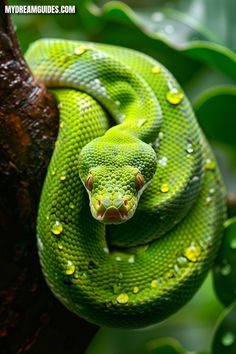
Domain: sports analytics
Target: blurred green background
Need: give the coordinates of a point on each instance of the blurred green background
(196, 40)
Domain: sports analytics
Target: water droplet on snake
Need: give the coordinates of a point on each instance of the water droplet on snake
(195, 179)
(118, 258)
(208, 200)
(72, 206)
(135, 289)
(156, 69)
(131, 259)
(163, 161)
(174, 96)
(70, 269)
(192, 252)
(154, 284)
(53, 172)
(210, 165)
(63, 176)
(228, 339)
(57, 228)
(60, 246)
(189, 149)
(165, 188)
(80, 50)
(122, 298)
(182, 261)
(161, 135)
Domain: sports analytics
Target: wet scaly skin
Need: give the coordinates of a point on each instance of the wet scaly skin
(157, 201)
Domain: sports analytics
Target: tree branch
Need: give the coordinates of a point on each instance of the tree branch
(31, 320)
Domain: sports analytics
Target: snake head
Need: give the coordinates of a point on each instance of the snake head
(115, 176)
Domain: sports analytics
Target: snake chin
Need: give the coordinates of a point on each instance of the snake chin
(112, 216)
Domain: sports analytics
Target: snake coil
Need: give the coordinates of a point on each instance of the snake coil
(153, 175)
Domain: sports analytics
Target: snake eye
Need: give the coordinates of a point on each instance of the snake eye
(89, 182)
(139, 181)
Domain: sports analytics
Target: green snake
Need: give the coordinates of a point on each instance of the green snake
(130, 147)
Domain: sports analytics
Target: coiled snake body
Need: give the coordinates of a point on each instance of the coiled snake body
(157, 202)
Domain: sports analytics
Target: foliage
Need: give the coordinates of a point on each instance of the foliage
(195, 40)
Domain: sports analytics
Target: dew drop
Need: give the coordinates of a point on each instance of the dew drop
(53, 172)
(164, 188)
(233, 244)
(156, 69)
(135, 289)
(154, 284)
(174, 96)
(80, 50)
(169, 29)
(228, 339)
(105, 250)
(122, 298)
(60, 246)
(182, 261)
(62, 125)
(195, 179)
(208, 200)
(131, 259)
(161, 135)
(57, 228)
(63, 176)
(189, 149)
(118, 258)
(70, 269)
(226, 270)
(158, 16)
(210, 165)
(192, 252)
(163, 161)
(211, 191)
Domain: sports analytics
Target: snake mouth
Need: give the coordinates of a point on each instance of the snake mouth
(112, 216)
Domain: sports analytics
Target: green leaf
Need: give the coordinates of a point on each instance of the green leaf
(195, 19)
(174, 39)
(225, 267)
(164, 346)
(215, 110)
(224, 341)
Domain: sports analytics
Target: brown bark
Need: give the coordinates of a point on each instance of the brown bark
(31, 320)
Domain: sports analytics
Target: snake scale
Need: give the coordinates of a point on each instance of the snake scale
(130, 147)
